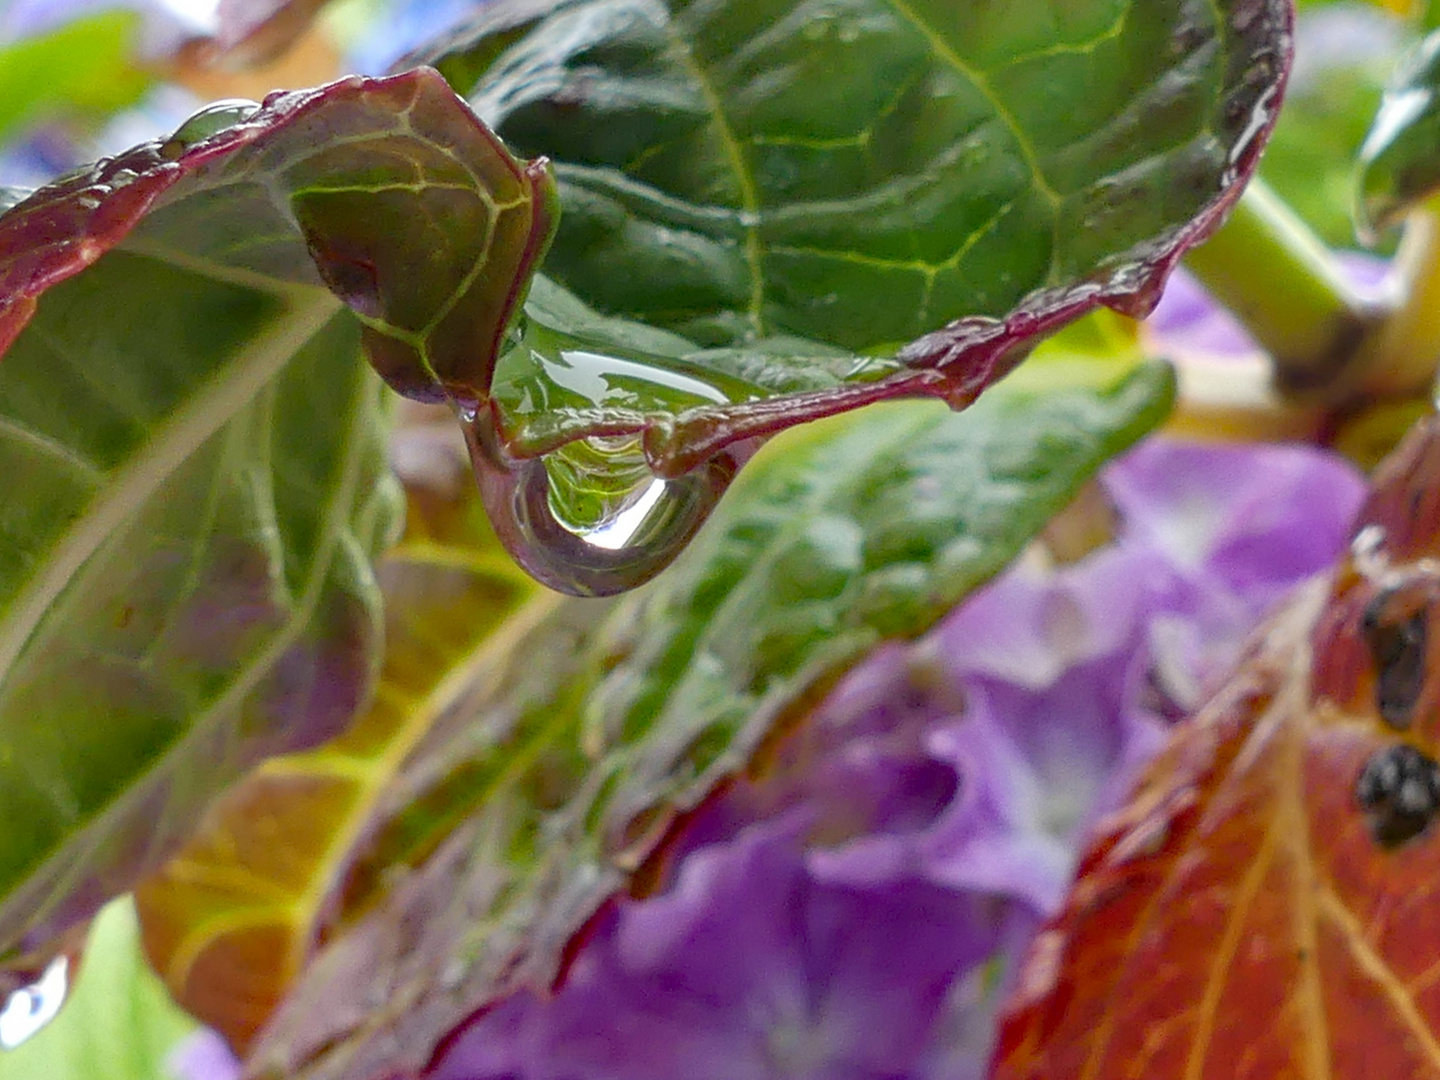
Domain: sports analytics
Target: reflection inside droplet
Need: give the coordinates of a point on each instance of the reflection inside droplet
(620, 529)
(594, 481)
(29, 1009)
(591, 519)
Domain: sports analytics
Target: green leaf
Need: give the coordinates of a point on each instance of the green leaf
(825, 204)
(117, 1024)
(232, 920)
(567, 767)
(861, 172)
(194, 453)
(85, 66)
(1400, 161)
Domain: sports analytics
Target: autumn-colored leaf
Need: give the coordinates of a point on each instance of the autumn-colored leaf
(1264, 907)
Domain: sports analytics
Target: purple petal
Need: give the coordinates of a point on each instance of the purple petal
(747, 969)
(1030, 626)
(1255, 518)
(203, 1056)
(1037, 768)
(1188, 321)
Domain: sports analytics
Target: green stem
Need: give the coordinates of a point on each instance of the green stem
(1284, 285)
(1400, 356)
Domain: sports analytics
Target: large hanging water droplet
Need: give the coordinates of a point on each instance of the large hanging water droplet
(591, 519)
(31, 1007)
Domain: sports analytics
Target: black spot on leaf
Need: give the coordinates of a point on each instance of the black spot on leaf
(1399, 790)
(1397, 644)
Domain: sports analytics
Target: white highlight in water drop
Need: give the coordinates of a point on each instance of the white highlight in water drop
(616, 533)
(31, 1008)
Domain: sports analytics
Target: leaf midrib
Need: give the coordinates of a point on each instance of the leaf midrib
(181, 433)
(332, 531)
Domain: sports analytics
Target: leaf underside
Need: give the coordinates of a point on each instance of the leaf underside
(194, 454)
(233, 918)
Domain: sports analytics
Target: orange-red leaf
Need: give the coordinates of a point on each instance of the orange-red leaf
(1257, 911)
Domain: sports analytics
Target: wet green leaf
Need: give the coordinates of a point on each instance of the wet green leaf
(860, 172)
(558, 775)
(194, 453)
(823, 204)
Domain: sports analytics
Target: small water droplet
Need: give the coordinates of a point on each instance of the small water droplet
(591, 519)
(30, 1008)
(121, 178)
(209, 121)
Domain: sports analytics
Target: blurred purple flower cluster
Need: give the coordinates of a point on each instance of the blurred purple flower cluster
(853, 915)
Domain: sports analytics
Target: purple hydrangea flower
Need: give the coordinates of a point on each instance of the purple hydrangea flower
(747, 969)
(855, 913)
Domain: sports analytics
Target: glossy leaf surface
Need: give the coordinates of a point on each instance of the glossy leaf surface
(859, 173)
(543, 791)
(1263, 907)
(1400, 161)
(231, 920)
(193, 450)
(117, 1023)
(826, 204)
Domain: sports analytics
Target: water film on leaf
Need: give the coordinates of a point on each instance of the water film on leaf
(826, 205)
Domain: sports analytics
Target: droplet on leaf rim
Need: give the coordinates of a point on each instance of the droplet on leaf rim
(626, 538)
(211, 120)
